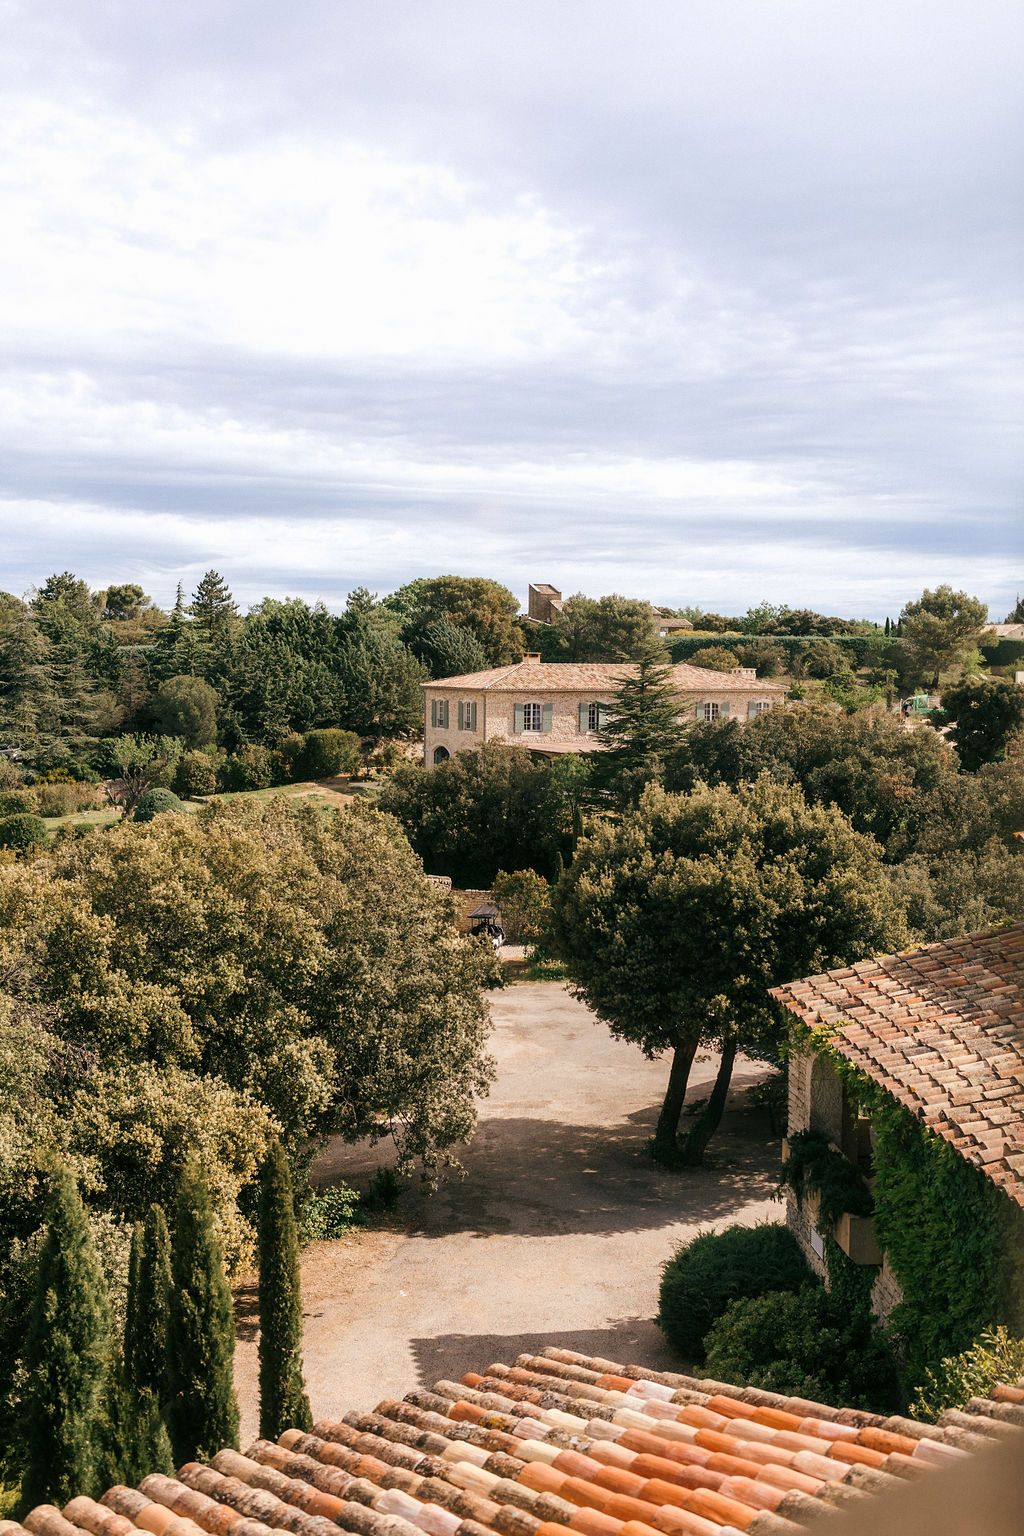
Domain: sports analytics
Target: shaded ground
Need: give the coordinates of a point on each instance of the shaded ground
(556, 1233)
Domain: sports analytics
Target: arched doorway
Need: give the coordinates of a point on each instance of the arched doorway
(441, 755)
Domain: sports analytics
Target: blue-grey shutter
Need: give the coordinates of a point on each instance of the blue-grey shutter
(583, 718)
(442, 714)
(751, 709)
(602, 716)
(546, 715)
(433, 712)
(723, 709)
(471, 722)
(518, 726)
(699, 711)
(462, 716)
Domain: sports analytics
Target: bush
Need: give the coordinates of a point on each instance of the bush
(14, 802)
(328, 1213)
(251, 767)
(996, 1356)
(804, 1344)
(22, 831)
(717, 658)
(326, 753)
(383, 1191)
(154, 801)
(196, 774)
(65, 799)
(714, 1269)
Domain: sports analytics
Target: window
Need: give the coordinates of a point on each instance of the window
(439, 714)
(757, 707)
(532, 717)
(710, 710)
(593, 717)
(441, 755)
(467, 714)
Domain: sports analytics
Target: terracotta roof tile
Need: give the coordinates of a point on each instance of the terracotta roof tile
(555, 1443)
(585, 676)
(941, 1028)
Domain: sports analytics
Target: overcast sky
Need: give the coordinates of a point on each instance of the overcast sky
(707, 301)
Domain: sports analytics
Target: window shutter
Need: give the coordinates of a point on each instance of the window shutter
(751, 710)
(433, 712)
(442, 714)
(548, 711)
(583, 718)
(518, 726)
(471, 723)
(699, 711)
(602, 716)
(723, 710)
(462, 716)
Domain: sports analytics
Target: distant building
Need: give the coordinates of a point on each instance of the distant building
(555, 707)
(544, 603)
(668, 624)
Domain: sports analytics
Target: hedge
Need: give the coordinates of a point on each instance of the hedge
(714, 1269)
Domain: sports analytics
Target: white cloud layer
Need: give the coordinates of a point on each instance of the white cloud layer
(707, 303)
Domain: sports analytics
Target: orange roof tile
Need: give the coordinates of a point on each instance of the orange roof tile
(941, 1028)
(539, 1448)
(586, 676)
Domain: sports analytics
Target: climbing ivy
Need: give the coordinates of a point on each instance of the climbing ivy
(814, 1166)
(954, 1240)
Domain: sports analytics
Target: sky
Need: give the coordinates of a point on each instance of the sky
(706, 301)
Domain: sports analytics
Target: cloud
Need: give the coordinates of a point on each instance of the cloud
(710, 305)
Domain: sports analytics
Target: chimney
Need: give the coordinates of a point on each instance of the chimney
(532, 656)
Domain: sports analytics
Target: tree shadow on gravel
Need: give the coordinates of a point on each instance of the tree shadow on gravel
(544, 1178)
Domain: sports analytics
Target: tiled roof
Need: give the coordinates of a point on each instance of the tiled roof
(587, 676)
(942, 1029)
(554, 1444)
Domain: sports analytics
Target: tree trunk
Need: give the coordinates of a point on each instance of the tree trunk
(711, 1116)
(668, 1120)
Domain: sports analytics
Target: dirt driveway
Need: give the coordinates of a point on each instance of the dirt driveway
(556, 1232)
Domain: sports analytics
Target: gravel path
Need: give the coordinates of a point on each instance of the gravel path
(556, 1233)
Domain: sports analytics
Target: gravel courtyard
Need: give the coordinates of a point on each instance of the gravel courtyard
(556, 1233)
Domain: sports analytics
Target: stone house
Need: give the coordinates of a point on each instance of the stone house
(555, 707)
(941, 1029)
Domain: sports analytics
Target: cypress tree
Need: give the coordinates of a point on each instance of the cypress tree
(202, 1411)
(137, 1402)
(283, 1401)
(66, 1355)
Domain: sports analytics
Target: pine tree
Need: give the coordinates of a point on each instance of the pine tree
(283, 1401)
(139, 1396)
(67, 1354)
(643, 727)
(177, 650)
(888, 627)
(202, 1411)
(213, 607)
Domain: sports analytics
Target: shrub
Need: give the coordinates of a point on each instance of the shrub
(22, 831)
(154, 801)
(65, 799)
(996, 1356)
(196, 774)
(251, 767)
(329, 1213)
(13, 802)
(804, 1344)
(383, 1191)
(717, 658)
(714, 1269)
(325, 753)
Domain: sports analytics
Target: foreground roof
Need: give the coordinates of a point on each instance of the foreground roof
(556, 1442)
(584, 676)
(941, 1028)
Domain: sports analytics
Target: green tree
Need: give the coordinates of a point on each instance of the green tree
(67, 1353)
(124, 600)
(451, 650)
(380, 677)
(643, 728)
(610, 628)
(326, 753)
(489, 611)
(1016, 613)
(717, 658)
(986, 712)
(137, 764)
(202, 1411)
(524, 901)
(148, 1307)
(185, 707)
(938, 629)
(283, 1401)
(676, 921)
(178, 650)
(214, 609)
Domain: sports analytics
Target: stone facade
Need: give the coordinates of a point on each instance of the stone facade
(560, 706)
